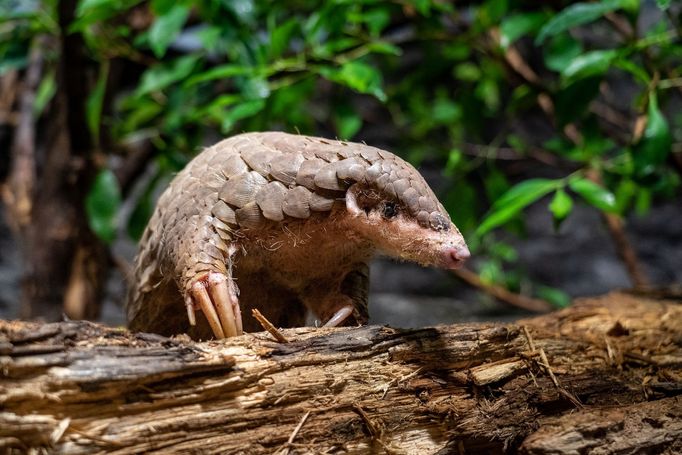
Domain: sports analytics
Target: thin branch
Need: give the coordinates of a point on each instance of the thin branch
(267, 325)
(624, 248)
(517, 300)
(372, 427)
(545, 364)
(621, 25)
(295, 432)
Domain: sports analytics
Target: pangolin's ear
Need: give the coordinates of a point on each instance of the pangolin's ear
(352, 202)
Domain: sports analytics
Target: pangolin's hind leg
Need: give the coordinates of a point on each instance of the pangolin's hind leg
(342, 301)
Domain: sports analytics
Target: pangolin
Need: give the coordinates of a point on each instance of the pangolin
(286, 224)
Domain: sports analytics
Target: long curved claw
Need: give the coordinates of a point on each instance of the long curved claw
(224, 305)
(216, 295)
(340, 316)
(191, 316)
(202, 299)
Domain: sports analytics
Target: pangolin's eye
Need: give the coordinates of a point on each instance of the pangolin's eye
(390, 210)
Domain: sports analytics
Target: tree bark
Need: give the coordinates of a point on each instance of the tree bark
(604, 376)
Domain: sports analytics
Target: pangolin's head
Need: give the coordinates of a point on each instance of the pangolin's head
(277, 175)
(394, 208)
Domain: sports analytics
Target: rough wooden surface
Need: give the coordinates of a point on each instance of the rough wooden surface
(604, 376)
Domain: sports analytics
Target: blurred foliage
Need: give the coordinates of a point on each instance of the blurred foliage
(582, 94)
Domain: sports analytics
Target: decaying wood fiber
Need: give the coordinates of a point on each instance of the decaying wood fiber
(604, 376)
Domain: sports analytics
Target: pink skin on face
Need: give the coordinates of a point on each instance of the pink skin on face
(402, 237)
(454, 258)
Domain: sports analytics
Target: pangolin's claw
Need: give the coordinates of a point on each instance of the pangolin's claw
(224, 304)
(216, 296)
(202, 298)
(340, 316)
(190, 311)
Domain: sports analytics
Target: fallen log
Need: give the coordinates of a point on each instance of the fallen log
(604, 375)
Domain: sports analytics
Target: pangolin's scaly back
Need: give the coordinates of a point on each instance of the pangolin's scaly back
(272, 176)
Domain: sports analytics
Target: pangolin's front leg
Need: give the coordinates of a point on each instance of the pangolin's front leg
(203, 255)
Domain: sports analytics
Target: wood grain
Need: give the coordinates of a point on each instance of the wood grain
(612, 366)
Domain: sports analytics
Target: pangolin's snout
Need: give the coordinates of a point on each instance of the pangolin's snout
(454, 257)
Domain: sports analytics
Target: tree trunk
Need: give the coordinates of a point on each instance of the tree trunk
(604, 376)
(64, 263)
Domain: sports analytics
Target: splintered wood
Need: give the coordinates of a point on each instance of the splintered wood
(605, 373)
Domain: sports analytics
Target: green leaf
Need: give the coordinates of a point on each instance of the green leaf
(382, 47)
(594, 194)
(495, 183)
(241, 111)
(166, 28)
(102, 205)
(93, 105)
(630, 6)
(210, 37)
(572, 101)
(244, 10)
(589, 64)
(656, 142)
(377, 19)
(85, 5)
(281, 36)
(467, 71)
(45, 92)
(503, 251)
(142, 112)
(423, 6)
(575, 15)
(643, 201)
(561, 51)
(161, 76)
(446, 111)
(625, 191)
(218, 72)
(455, 157)
(633, 68)
(518, 25)
(516, 199)
(556, 297)
(91, 12)
(488, 92)
(561, 205)
(358, 76)
(456, 51)
(330, 48)
(492, 11)
(491, 272)
(347, 122)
